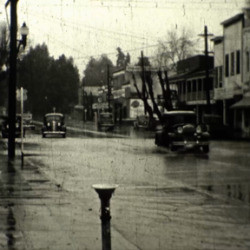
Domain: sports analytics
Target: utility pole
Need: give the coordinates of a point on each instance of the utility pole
(207, 81)
(12, 79)
(143, 79)
(109, 88)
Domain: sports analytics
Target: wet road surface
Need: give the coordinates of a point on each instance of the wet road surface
(164, 200)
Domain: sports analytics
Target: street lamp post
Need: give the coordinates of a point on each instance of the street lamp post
(105, 192)
(12, 74)
(109, 88)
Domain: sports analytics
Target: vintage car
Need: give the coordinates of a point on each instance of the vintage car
(105, 121)
(28, 121)
(53, 124)
(179, 130)
(5, 127)
(143, 122)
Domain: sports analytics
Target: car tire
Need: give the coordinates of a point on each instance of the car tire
(157, 140)
(43, 136)
(205, 149)
(135, 125)
(172, 147)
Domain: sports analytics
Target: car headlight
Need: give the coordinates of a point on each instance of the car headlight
(59, 124)
(198, 129)
(48, 124)
(7, 126)
(17, 125)
(180, 130)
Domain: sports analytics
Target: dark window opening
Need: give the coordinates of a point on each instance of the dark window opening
(238, 62)
(232, 64)
(199, 85)
(220, 77)
(194, 85)
(189, 86)
(248, 60)
(227, 65)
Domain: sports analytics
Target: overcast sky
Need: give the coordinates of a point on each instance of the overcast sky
(84, 28)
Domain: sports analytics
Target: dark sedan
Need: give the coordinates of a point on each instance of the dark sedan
(180, 131)
(5, 127)
(53, 125)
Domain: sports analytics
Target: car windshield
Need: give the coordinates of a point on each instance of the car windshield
(180, 119)
(143, 118)
(184, 119)
(106, 117)
(53, 118)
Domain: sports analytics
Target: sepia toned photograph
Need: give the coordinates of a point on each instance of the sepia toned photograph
(124, 124)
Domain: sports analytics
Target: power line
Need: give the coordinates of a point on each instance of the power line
(80, 26)
(146, 4)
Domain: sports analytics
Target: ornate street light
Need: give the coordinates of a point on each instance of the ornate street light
(24, 31)
(12, 75)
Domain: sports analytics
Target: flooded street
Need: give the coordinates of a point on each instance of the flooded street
(165, 200)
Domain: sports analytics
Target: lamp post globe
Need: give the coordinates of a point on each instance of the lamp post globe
(24, 31)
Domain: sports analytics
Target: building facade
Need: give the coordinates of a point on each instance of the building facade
(190, 83)
(126, 102)
(232, 72)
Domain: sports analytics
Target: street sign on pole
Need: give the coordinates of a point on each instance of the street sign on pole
(18, 94)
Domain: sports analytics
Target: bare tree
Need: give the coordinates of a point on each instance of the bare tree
(147, 93)
(3, 45)
(174, 48)
(144, 96)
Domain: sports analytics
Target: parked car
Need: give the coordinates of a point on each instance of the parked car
(5, 127)
(143, 122)
(105, 121)
(180, 131)
(28, 121)
(53, 124)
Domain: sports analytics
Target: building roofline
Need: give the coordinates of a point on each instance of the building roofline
(233, 19)
(217, 39)
(193, 73)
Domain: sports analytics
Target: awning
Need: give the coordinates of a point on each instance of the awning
(244, 103)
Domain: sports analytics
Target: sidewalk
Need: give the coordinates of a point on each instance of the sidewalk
(37, 214)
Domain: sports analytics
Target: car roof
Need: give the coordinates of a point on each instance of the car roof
(54, 114)
(105, 113)
(179, 112)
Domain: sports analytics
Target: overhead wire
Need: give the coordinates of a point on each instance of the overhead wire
(75, 26)
(110, 33)
(191, 4)
(80, 26)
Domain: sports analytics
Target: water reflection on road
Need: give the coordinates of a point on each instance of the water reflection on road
(219, 172)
